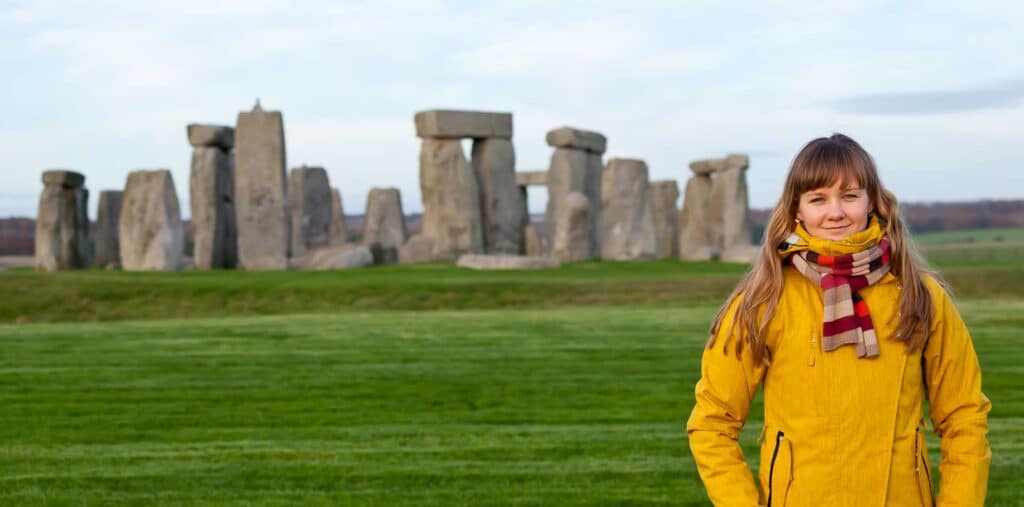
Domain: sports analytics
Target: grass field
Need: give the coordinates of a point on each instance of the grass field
(408, 385)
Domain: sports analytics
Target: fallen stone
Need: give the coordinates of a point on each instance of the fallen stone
(309, 206)
(339, 229)
(384, 224)
(451, 199)
(664, 195)
(694, 224)
(445, 123)
(626, 217)
(150, 228)
(211, 200)
(571, 241)
(261, 204)
(569, 137)
(500, 262)
(219, 136)
(502, 208)
(532, 178)
(419, 248)
(335, 257)
(108, 249)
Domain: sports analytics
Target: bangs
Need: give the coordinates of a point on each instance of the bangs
(825, 163)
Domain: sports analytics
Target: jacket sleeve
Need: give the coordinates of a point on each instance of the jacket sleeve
(724, 392)
(959, 410)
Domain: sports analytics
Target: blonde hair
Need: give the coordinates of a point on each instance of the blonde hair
(819, 164)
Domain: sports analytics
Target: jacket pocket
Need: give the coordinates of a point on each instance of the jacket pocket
(923, 467)
(780, 468)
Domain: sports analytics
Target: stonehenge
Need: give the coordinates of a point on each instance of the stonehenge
(248, 212)
(715, 221)
(627, 220)
(211, 196)
(151, 234)
(108, 249)
(261, 200)
(576, 167)
(309, 209)
(62, 222)
(384, 225)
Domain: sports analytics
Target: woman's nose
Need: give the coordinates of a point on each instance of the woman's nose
(835, 210)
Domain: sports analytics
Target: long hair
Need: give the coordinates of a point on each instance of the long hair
(821, 163)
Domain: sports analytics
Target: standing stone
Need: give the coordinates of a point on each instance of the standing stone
(339, 229)
(309, 203)
(626, 217)
(536, 243)
(62, 222)
(211, 200)
(572, 229)
(664, 195)
(384, 225)
(501, 204)
(567, 174)
(108, 249)
(592, 189)
(451, 199)
(729, 210)
(150, 228)
(694, 226)
(261, 203)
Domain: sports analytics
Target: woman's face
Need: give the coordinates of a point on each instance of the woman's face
(834, 212)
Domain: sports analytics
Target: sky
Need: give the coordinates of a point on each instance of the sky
(933, 89)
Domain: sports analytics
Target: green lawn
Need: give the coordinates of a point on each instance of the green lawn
(562, 406)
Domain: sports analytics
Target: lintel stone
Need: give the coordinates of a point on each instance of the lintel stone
(569, 137)
(66, 179)
(447, 123)
(532, 178)
(220, 136)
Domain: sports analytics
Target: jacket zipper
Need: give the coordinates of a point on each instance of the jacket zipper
(923, 463)
(771, 470)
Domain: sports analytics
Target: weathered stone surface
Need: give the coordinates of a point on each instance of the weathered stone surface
(445, 123)
(532, 178)
(62, 223)
(108, 249)
(339, 229)
(502, 209)
(694, 224)
(536, 243)
(261, 204)
(419, 248)
(665, 211)
(729, 214)
(569, 137)
(334, 257)
(384, 224)
(220, 136)
(626, 216)
(211, 200)
(571, 242)
(66, 179)
(150, 228)
(500, 262)
(451, 199)
(309, 206)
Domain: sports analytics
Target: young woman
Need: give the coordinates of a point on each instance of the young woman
(848, 334)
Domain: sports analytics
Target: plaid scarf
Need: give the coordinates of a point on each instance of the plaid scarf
(842, 268)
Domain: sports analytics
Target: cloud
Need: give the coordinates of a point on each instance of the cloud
(934, 102)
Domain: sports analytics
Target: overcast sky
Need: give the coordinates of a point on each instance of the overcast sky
(934, 90)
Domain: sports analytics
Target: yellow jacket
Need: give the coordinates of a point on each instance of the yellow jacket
(838, 430)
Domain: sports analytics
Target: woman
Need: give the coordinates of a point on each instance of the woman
(848, 334)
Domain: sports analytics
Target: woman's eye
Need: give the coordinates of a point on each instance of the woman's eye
(850, 196)
(815, 200)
